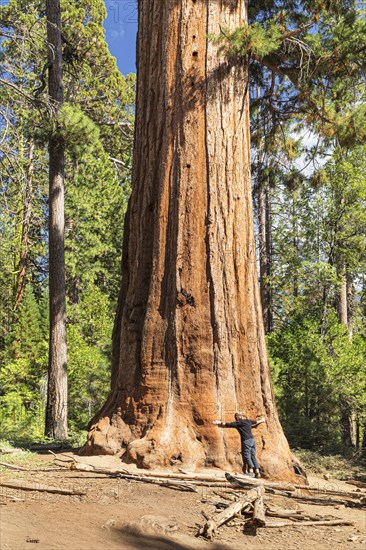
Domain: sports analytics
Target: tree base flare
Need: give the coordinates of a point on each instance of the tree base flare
(182, 448)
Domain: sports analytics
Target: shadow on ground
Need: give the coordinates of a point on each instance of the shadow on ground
(132, 537)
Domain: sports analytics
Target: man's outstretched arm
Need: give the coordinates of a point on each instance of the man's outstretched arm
(225, 424)
(260, 421)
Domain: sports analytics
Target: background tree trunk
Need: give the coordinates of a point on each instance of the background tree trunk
(26, 212)
(56, 411)
(189, 341)
(264, 240)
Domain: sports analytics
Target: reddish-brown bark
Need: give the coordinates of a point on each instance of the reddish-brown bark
(189, 342)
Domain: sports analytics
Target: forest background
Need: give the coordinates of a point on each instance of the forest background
(309, 195)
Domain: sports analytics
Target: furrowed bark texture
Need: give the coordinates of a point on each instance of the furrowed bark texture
(56, 410)
(189, 340)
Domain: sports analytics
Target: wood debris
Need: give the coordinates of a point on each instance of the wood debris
(24, 486)
(244, 500)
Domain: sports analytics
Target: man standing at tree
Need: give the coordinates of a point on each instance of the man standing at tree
(248, 447)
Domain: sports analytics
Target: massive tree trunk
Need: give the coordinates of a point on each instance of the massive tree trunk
(189, 342)
(56, 410)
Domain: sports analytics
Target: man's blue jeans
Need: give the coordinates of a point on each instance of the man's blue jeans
(248, 450)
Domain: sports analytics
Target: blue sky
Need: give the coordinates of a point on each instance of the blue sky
(121, 28)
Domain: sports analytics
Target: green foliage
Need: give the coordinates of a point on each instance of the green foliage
(338, 466)
(89, 344)
(95, 204)
(22, 375)
(259, 39)
(96, 123)
(315, 369)
(77, 130)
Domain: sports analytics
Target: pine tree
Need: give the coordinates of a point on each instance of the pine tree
(95, 123)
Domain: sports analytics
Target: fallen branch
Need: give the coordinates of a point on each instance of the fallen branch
(210, 526)
(259, 518)
(308, 523)
(237, 481)
(12, 497)
(357, 503)
(17, 484)
(11, 451)
(298, 515)
(356, 483)
(57, 457)
(13, 467)
(171, 484)
(23, 469)
(328, 501)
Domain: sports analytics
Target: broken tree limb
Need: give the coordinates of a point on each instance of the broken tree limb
(242, 481)
(210, 526)
(171, 484)
(356, 483)
(11, 451)
(23, 469)
(298, 515)
(237, 481)
(259, 517)
(308, 523)
(24, 486)
(57, 457)
(12, 497)
(13, 467)
(322, 500)
(189, 476)
(327, 501)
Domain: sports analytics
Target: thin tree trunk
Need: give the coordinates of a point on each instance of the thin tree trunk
(363, 447)
(264, 238)
(348, 417)
(264, 249)
(27, 212)
(342, 304)
(189, 341)
(295, 244)
(348, 424)
(358, 433)
(56, 411)
(269, 323)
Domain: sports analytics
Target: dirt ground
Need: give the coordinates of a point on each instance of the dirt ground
(129, 515)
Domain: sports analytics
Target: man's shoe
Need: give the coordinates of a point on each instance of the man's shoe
(257, 474)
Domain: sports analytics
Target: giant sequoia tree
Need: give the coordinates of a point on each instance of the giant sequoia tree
(189, 341)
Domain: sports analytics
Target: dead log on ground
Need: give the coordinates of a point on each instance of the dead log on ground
(328, 501)
(237, 481)
(309, 523)
(11, 451)
(23, 469)
(12, 497)
(13, 467)
(357, 503)
(259, 517)
(171, 484)
(24, 486)
(210, 526)
(356, 483)
(298, 515)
